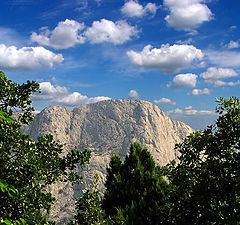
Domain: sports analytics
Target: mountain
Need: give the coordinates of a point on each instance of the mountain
(105, 127)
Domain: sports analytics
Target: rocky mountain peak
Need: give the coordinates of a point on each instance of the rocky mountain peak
(106, 127)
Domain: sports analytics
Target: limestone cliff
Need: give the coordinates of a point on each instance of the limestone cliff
(106, 127)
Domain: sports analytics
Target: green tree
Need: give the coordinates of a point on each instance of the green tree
(11, 192)
(90, 211)
(135, 188)
(206, 181)
(26, 165)
(4, 187)
(89, 207)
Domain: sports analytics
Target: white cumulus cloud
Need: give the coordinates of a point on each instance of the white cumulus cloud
(183, 80)
(108, 31)
(165, 101)
(134, 9)
(187, 14)
(170, 59)
(65, 35)
(62, 96)
(27, 58)
(68, 33)
(49, 92)
(204, 91)
(75, 99)
(133, 94)
(233, 44)
(214, 73)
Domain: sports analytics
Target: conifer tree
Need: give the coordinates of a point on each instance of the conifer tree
(135, 188)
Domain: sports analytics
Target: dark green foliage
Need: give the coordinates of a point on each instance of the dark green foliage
(10, 191)
(207, 179)
(89, 208)
(135, 188)
(6, 188)
(26, 165)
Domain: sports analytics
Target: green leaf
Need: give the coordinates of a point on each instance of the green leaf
(23, 221)
(3, 114)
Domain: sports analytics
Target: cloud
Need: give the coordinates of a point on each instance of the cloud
(165, 101)
(213, 76)
(204, 91)
(98, 2)
(190, 111)
(10, 37)
(133, 94)
(233, 27)
(218, 83)
(223, 58)
(75, 99)
(188, 41)
(232, 83)
(134, 9)
(61, 95)
(49, 92)
(197, 119)
(65, 35)
(82, 5)
(233, 44)
(70, 32)
(27, 58)
(169, 59)
(108, 31)
(214, 73)
(187, 14)
(183, 80)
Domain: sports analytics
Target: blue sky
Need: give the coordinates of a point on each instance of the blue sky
(179, 55)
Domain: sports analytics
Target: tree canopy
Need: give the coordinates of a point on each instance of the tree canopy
(26, 165)
(136, 187)
(206, 181)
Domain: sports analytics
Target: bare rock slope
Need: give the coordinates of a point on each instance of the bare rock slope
(106, 127)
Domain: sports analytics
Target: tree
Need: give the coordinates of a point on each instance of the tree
(89, 208)
(206, 181)
(26, 165)
(4, 187)
(135, 189)
(90, 211)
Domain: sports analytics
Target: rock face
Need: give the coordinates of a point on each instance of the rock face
(105, 127)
